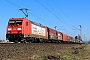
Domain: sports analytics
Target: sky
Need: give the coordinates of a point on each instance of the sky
(67, 15)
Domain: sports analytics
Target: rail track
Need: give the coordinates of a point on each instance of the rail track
(24, 50)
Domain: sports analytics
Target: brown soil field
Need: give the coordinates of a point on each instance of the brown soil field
(46, 51)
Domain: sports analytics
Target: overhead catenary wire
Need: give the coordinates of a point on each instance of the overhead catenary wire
(21, 3)
(58, 13)
(41, 18)
(29, 11)
(50, 6)
(13, 4)
(52, 13)
(35, 14)
(53, 9)
(63, 13)
(66, 15)
(59, 8)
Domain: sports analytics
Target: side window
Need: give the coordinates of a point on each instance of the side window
(26, 23)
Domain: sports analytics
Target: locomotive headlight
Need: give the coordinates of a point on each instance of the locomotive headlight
(19, 29)
(9, 28)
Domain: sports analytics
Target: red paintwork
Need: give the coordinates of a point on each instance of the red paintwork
(14, 27)
(48, 32)
(52, 34)
(26, 29)
(65, 37)
(59, 36)
(30, 29)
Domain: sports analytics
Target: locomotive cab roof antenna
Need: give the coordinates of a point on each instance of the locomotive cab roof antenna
(25, 13)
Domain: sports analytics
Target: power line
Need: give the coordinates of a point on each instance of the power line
(30, 13)
(65, 14)
(51, 7)
(12, 3)
(51, 12)
(28, 10)
(41, 18)
(54, 10)
(62, 10)
(35, 14)
(47, 9)
(20, 2)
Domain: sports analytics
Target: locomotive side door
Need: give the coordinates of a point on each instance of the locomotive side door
(27, 28)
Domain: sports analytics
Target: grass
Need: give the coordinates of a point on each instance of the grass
(83, 54)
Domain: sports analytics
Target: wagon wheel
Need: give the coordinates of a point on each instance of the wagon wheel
(16, 41)
(30, 41)
(23, 41)
(40, 40)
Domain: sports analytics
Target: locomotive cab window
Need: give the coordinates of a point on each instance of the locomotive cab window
(15, 22)
(11, 22)
(26, 23)
(18, 22)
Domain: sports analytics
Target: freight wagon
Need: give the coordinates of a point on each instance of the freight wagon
(65, 38)
(60, 37)
(52, 35)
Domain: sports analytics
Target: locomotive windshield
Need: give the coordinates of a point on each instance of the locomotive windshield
(15, 22)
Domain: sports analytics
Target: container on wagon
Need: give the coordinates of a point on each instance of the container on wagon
(70, 38)
(52, 34)
(65, 37)
(59, 36)
(38, 31)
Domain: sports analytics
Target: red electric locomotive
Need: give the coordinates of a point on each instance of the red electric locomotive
(24, 30)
